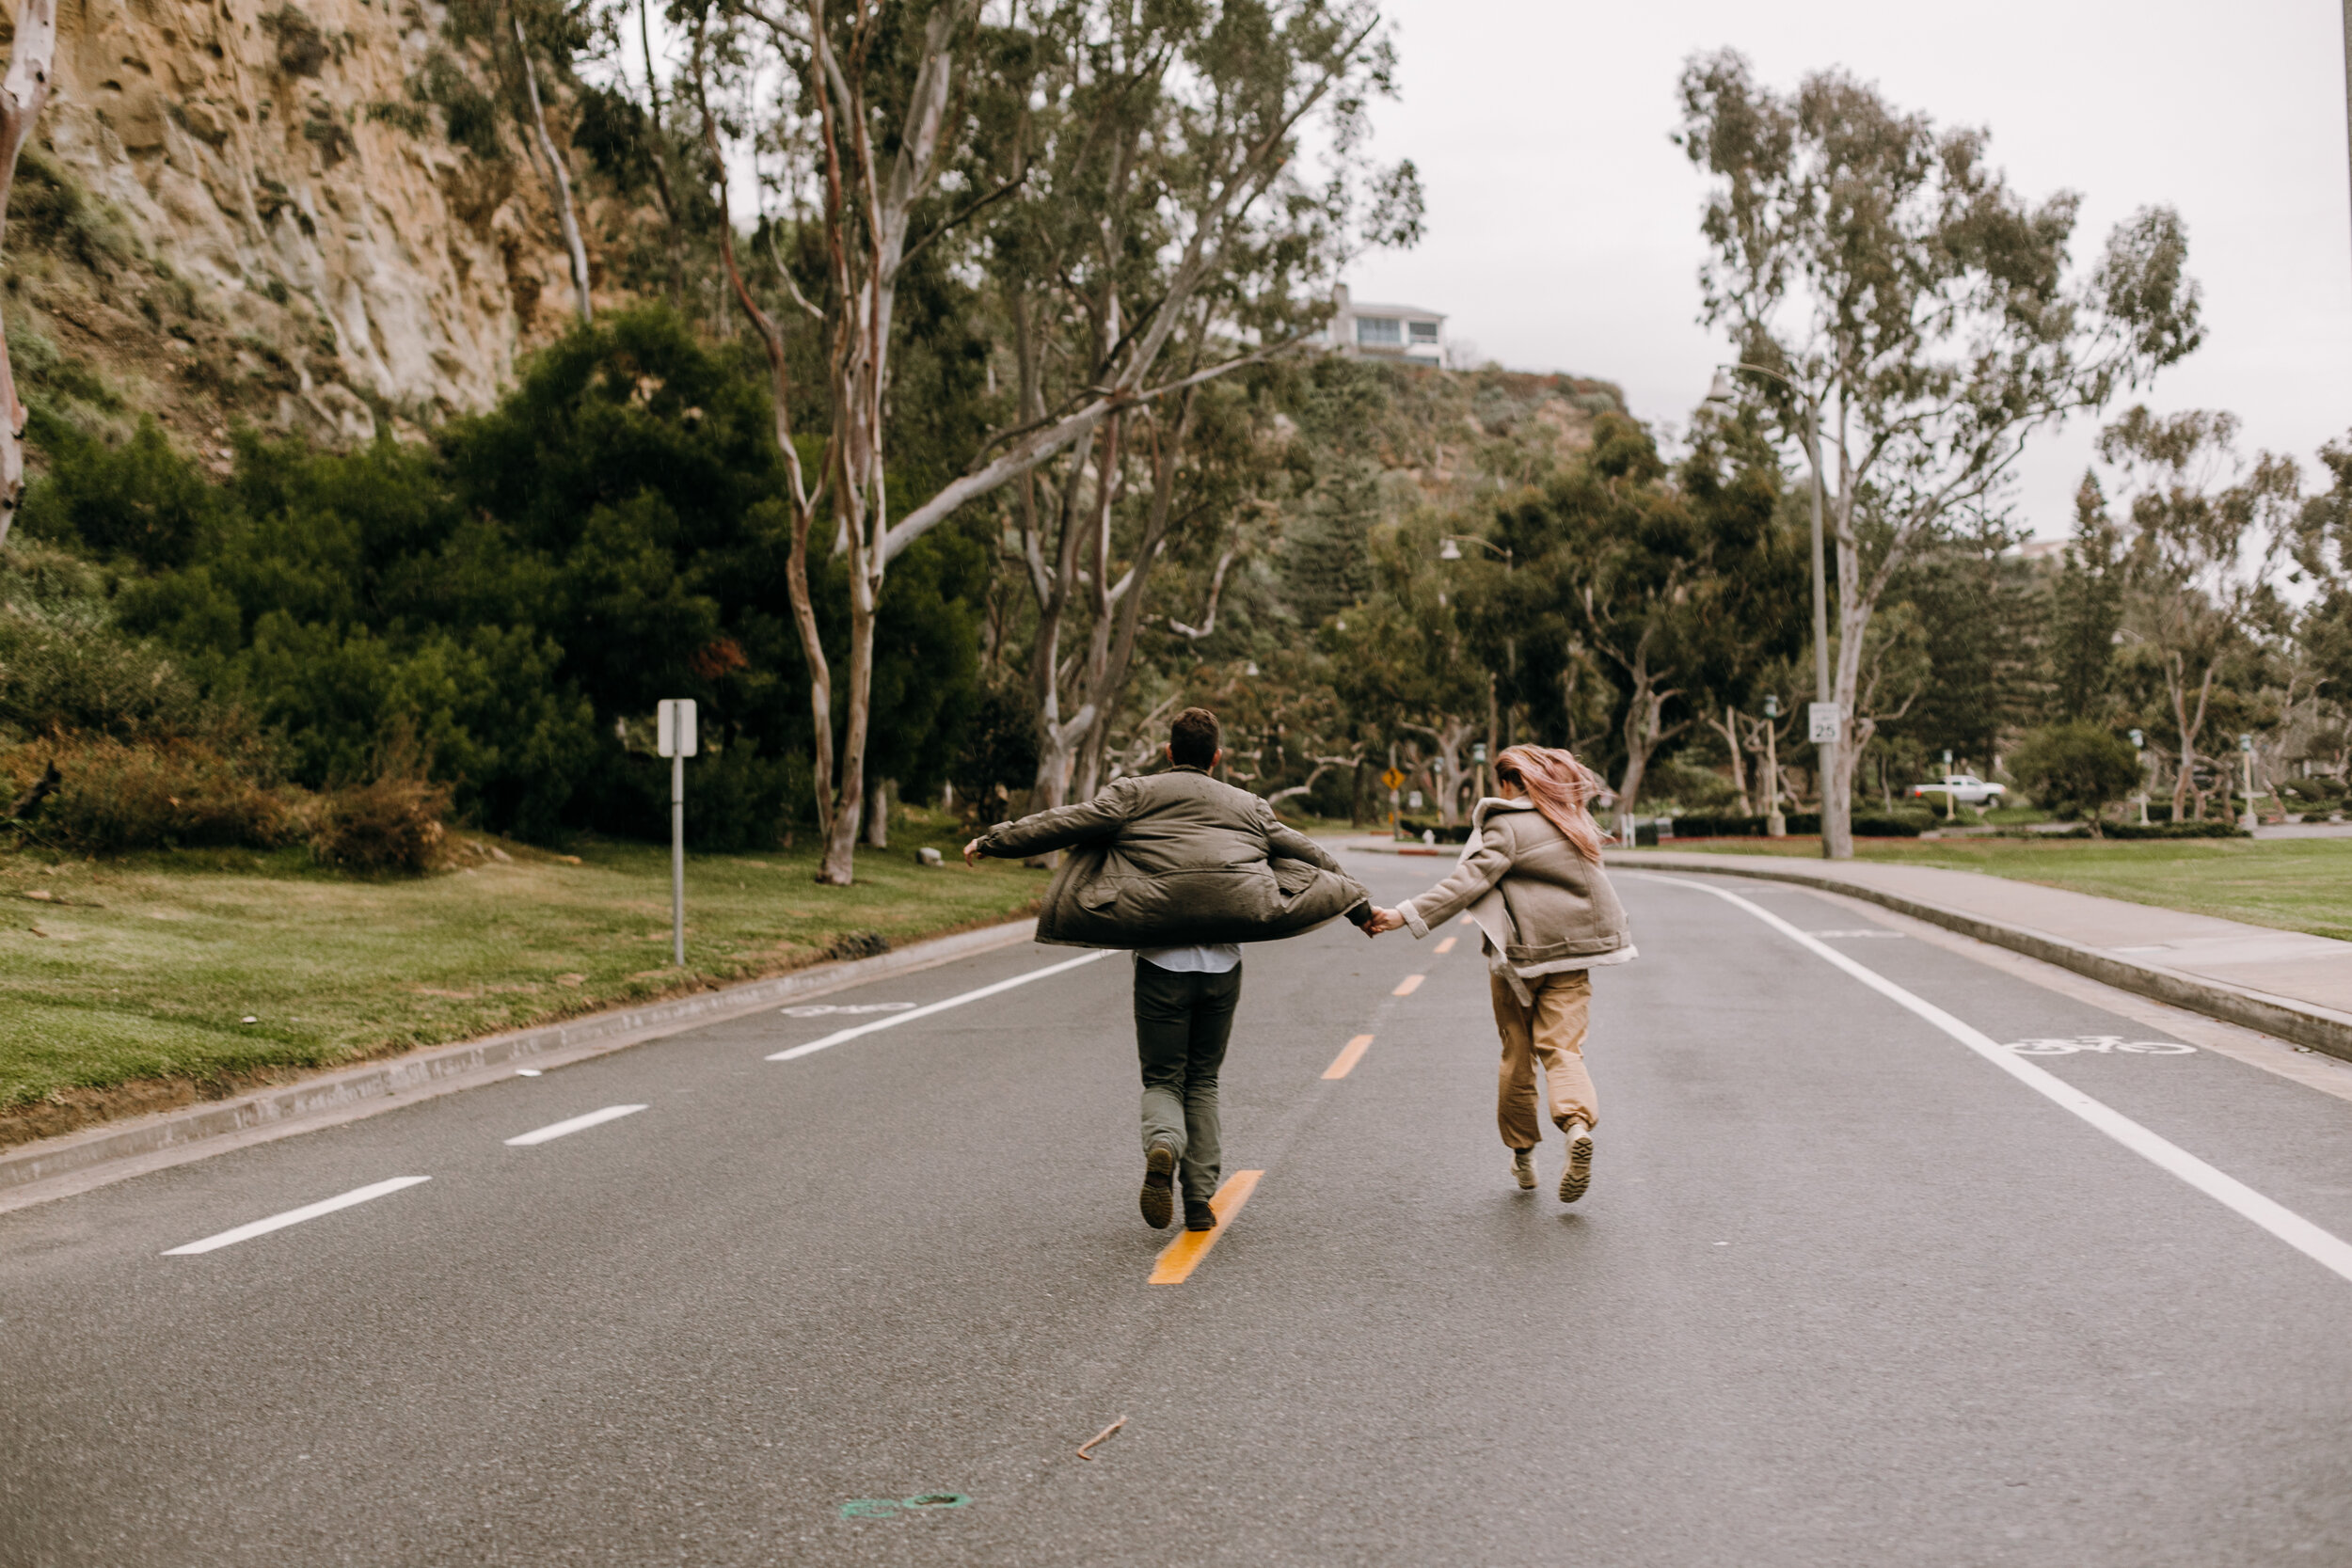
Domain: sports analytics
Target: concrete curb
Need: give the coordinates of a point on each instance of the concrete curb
(76, 1162)
(2303, 1023)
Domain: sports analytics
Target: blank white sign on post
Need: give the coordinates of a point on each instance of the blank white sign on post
(674, 727)
(1822, 718)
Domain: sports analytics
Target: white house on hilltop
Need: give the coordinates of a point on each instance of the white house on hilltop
(1405, 332)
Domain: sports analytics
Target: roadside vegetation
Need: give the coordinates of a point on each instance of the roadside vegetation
(141, 971)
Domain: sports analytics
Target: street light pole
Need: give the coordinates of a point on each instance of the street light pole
(1450, 549)
(1721, 392)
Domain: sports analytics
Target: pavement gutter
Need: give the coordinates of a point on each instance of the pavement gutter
(73, 1162)
(2303, 1023)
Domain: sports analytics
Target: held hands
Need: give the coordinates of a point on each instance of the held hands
(1383, 920)
(972, 853)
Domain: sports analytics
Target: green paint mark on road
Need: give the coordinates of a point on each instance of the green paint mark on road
(891, 1507)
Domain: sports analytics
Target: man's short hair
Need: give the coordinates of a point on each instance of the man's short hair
(1192, 740)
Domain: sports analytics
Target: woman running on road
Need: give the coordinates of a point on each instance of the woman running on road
(1531, 877)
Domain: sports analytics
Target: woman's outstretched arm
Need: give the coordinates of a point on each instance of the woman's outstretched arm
(1479, 870)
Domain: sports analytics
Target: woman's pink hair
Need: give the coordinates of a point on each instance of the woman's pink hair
(1563, 789)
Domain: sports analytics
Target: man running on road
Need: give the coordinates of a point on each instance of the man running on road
(1183, 869)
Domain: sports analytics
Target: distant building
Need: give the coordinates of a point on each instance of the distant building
(1405, 332)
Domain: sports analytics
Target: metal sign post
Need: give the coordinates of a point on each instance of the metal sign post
(1394, 779)
(2246, 751)
(673, 737)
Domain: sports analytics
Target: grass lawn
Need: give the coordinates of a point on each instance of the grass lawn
(124, 972)
(2295, 884)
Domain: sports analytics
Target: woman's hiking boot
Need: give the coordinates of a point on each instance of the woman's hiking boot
(1158, 1200)
(1523, 1167)
(1578, 1174)
(1199, 1215)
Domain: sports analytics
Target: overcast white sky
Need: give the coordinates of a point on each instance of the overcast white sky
(1563, 227)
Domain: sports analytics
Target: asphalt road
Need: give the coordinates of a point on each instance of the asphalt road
(1845, 1291)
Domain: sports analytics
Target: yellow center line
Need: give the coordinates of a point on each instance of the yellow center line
(1468, 920)
(1350, 1053)
(1410, 984)
(1447, 946)
(1183, 1255)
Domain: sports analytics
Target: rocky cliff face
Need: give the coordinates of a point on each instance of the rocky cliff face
(234, 211)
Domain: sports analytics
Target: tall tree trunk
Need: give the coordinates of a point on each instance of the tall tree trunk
(1852, 618)
(1645, 730)
(804, 500)
(1730, 730)
(868, 203)
(878, 795)
(22, 95)
(556, 172)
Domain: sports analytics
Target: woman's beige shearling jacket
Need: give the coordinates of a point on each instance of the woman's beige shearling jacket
(1543, 907)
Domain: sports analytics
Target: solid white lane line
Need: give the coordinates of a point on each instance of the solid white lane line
(892, 1020)
(2322, 1247)
(295, 1216)
(577, 1124)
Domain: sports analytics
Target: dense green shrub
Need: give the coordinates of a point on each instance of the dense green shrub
(64, 665)
(2174, 829)
(2075, 769)
(516, 596)
(140, 501)
(1717, 824)
(2313, 794)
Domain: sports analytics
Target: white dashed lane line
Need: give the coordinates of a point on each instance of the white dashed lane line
(892, 1021)
(295, 1216)
(577, 1124)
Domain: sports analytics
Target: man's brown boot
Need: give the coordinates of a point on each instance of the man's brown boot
(1158, 1200)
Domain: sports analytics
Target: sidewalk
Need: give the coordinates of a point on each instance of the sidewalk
(2286, 983)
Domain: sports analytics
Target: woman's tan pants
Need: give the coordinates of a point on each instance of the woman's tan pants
(1553, 1029)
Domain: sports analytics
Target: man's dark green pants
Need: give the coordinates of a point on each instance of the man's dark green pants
(1182, 1024)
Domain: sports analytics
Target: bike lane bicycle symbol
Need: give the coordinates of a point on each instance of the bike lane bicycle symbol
(2102, 1044)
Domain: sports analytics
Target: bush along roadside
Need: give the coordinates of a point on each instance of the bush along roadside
(1866, 825)
(2157, 830)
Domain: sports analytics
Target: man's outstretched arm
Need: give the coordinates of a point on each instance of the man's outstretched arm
(1044, 831)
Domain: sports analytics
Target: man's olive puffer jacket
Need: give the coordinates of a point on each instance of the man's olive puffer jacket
(1168, 860)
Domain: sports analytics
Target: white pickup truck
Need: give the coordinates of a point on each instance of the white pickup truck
(1967, 788)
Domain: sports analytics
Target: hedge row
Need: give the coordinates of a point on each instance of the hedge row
(1866, 825)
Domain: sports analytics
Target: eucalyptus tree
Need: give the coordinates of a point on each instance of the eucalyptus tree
(2202, 533)
(871, 105)
(1925, 310)
(1150, 213)
(1673, 585)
